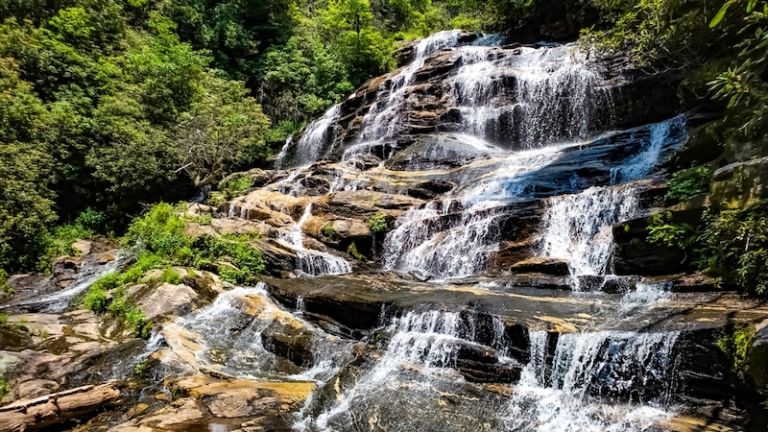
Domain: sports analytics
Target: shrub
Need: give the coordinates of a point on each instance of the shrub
(146, 262)
(5, 387)
(171, 276)
(378, 223)
(237, 185)
(736, 345)
(664, 231)
(96, 298)
(234, 249)
(160, 231)
(689, 183)
(329, 231)
(135, 318)
(736, 247)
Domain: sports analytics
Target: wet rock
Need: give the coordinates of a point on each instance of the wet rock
(168, 299)
(365, 203)
(545, 265)
(740, 184)
(635, 254)
(293, 344)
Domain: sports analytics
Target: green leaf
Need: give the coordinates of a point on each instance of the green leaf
(751, 5)
(720, 14)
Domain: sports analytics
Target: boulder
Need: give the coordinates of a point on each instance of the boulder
(168, 299)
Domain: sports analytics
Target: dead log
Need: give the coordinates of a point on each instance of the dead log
(57, 408)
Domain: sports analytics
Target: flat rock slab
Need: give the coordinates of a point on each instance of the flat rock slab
(357, 302)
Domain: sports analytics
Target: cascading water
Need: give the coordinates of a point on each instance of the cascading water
(313, 262)
(310, 146)
(61, 300)
(427, 341)
(230, 337)
(589, 370)
(578, 227)
(558, 97)
(462, 243)
(382, 119)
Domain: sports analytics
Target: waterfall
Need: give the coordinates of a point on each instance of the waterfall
(558, 97)
(59, 301)
(309, 261)
(229, 337)
(382, 119)
(587, 371)
(578, 228)
(429, 341)
(420, 242)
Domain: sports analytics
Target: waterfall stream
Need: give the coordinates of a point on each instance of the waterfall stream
(528, 159)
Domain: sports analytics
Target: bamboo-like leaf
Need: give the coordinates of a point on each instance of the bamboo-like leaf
(751, 5)
(720, 14)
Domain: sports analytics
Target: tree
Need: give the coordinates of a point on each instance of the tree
(26, 202)
(223, 128)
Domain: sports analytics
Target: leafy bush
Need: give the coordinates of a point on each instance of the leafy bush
(237, 185)
(689, 183)
(736, 247)
(145, 262)
(664, 231)
(160, 231)
(96, 298)
(735, 344)
(235, 250)
(171, 276)
(378, 223)
(5, 387)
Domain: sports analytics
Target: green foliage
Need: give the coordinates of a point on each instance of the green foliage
(171, 276)
(736, 345)
(96, 299)
(145, 262)
(736, 247)
(352, 250)
(26, 200)
(378, 223)
(160, 231)
(664, 231)
(236, 186)
(689, 183)
(743, 85)
(5, 289)
(138, 322)
(5, 387)
(236, 260)
(329, 231)
(223, 128)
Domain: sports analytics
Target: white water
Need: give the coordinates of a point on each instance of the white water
(231, 338)
(313, 262)
(383, 118)
(427, 340)
(558, 96)
(464, 246)
(560, 398)
(59, 301)
(578, 228)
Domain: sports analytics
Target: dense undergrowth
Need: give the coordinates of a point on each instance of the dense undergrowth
(158, 239)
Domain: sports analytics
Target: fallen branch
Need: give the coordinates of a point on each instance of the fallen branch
(56, 408)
